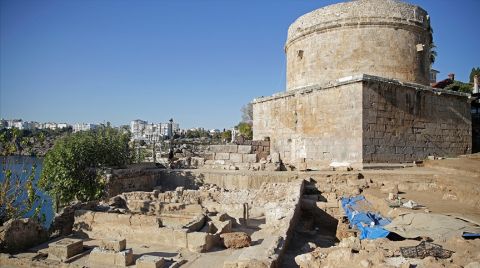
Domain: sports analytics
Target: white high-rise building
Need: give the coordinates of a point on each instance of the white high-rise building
(137, 127)
(83, 127)
(142, 130)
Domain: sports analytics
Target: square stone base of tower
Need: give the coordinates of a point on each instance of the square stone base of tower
(363, 119)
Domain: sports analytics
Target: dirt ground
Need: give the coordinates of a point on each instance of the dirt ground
(447, 187)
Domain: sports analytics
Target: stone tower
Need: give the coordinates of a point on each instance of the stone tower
(385, 38)
(357, 91)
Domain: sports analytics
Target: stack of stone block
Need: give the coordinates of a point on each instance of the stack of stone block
(259, 147)
(64, 249)
(111, 253)
(231, 154)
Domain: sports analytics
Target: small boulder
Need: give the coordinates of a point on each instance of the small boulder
(343, 254)
(20, 234)
(350, 242)
(236, 240)
(305, 260)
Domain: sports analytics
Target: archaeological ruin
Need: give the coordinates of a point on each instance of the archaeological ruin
(358, 164)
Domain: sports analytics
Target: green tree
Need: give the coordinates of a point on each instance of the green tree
(41, 137)
(459, 86)
(19, 194)
(227, 135)
(245, 130)
(475, 71)
(138, 154)
(197, 133)
(10, 141)
(72, 169)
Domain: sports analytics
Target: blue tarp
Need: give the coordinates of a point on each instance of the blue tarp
(468, 235)
(360, 215)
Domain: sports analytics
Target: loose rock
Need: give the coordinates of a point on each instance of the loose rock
(236, 240)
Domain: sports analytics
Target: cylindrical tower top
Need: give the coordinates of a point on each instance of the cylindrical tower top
(387, 38)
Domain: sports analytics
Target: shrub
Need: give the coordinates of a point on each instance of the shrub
(72, 169)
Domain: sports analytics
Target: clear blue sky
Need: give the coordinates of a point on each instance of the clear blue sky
(197, 61)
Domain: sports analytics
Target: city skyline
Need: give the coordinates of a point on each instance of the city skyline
(195, 62)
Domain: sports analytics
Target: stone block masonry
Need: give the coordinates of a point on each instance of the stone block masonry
(64, 249)
(148, 261)
(312, 126)
(222, 156)
(239, 155)
(244, 149)
(364, 119)
(359, 37)
(403, 124)
(114, 244)
(131, 179)
(236, 157)
(110, 258)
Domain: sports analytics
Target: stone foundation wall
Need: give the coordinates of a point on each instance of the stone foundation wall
(136, 228)
(171, 179)
(237, 156)
(402, 123)
(280, 203)
(131, 179)
(259, 147)
(233, 153)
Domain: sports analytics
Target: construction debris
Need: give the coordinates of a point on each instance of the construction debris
(360, 215)
(426, 249)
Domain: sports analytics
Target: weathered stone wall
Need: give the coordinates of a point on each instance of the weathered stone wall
(238, 156)
(315, 126)
(131, 179)
(260, 148)
(377, 37)
(403, 123)
(136, 228)
(280, 203)
(20, 234)
(233, 153)
(63, 222)
(358, 120)
(171, 179)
